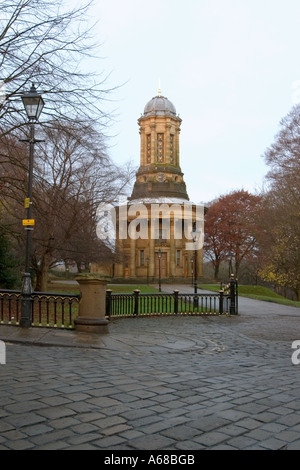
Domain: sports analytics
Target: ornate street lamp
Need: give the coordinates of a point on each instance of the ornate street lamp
(33, 104)
(159, 271)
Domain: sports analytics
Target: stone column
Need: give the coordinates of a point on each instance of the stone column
(143, 147)
(152, 258)
(172, 271)
(167, 144)
(177, 149)
(92, 306)
(153, 142)
(132, 257)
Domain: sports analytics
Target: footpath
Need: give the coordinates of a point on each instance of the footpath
(179, 383)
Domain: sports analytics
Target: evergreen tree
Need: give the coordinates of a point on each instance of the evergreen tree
(8, 263)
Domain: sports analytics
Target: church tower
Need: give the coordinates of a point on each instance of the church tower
(155, 228)
(159, 174)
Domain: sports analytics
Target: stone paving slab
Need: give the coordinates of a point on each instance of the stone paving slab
(170, 383)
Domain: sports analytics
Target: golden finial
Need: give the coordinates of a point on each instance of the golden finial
(159, 90)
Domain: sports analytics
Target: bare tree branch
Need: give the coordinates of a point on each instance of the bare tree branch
(42, 41)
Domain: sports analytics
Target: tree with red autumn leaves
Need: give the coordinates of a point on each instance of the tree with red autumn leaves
(230, 227)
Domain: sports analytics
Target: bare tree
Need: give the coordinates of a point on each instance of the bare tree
(50, 43)
(74, 176)
(280, 234)
(46, 42)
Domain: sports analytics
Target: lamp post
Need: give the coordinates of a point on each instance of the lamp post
(192, 264)
(147, 260)
(229, 257)
(159, 271)
(195, 236)
(33, 104)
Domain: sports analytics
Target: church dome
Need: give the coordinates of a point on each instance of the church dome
(160, 106)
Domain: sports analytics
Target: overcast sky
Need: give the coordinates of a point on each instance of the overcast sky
(230, 67)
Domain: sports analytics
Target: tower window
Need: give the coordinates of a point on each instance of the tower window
(178, 257)
(148, 148)
(160, 148)
(171, 148)
(142, 259)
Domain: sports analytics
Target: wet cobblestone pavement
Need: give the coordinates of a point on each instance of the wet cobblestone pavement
(169, 383)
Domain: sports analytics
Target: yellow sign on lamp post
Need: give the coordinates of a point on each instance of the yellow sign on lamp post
(28, 222)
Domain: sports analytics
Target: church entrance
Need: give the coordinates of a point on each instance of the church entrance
(163, 265)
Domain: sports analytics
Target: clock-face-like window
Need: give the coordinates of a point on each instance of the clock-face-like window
(160, 148)
(160, 177)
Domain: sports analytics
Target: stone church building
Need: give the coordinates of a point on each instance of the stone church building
(159, 232)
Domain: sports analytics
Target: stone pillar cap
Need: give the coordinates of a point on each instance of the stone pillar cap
(96, 277)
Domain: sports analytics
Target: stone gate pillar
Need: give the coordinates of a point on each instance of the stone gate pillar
(92, 305)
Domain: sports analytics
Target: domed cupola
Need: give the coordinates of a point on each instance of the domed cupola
(159, 106)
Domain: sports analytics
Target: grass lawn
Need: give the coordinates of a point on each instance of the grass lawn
(116, 288)
(128, 289)
(252, 292)
(63, 288)
(257, 293)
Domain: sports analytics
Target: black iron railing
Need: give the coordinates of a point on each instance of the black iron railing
(60, 310)
(137, 304)
(48, 309)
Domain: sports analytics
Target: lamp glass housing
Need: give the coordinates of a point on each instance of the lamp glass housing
(33, 103)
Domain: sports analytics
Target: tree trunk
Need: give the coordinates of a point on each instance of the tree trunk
(217, 270)
(42, 274)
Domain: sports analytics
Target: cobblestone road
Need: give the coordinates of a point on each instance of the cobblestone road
(170, 383)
